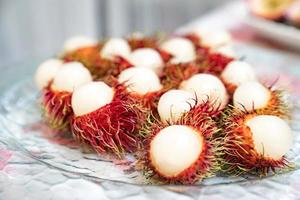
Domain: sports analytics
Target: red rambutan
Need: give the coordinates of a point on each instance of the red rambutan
(253, 96)
(56, 97)
(181, 152)
(254, 144)
(105, 118)
(137, 41)
(236, 73)
(143, 86)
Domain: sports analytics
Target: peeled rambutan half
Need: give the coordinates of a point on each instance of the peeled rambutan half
(46, 71)
(78, 42)
(105, 118)
(56, 97)
(182, 152)
(181, 49)
(142, 85)
(147, 57)
(254, 144)
(255, 97)
(173, 104)
(212, 40)
(237, 73)
(102, 60)
(207, 87)
(115, 47)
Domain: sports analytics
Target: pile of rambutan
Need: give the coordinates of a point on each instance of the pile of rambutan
(185, 107)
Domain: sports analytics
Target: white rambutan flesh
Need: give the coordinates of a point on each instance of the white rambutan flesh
(146, 57)
(226, 50)
(238, 72)
(69, 76)
(251, 95)
(174, 103)
(181, 49)
(140, 80)
(46, 72)
(115, 47)
(272, 136)
(90, 97)
(207, 87)
(213, 39)
(174, 149)
(78, 42)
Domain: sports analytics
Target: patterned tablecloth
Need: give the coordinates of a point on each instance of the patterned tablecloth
(28, 169)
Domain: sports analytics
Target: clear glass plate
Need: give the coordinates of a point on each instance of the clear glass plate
(48, 161)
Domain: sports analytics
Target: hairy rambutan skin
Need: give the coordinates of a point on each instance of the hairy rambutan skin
(57, 110)
(198, 118)
(99, 67)
(143, 42)
(216, 63)
(278, 105)
(240, 156)
(194, 39)
(229, 87)
(112, 128)
(174, 74)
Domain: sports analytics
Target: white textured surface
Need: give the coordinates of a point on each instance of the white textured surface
(90, 97)
(272, 136)
(140, 80)
(174, 149)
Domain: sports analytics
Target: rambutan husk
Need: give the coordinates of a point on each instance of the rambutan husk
(164, 55)
(143, 42)
(240, 156)
(216, 63)
(174, 74)
(99, 67)
(229, 87)
(278, 105)
(200, 118)
(193, 38)
(148, 101)
(111, 128)
(57, 110)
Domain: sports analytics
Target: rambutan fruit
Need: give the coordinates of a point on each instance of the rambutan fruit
(216, 63)
(138, 40)
(254, 144)
(115, 47)
(104, 118)
(147, 57)
(182, 152)
(143, 86)
(173, 74)
(226, 50)
(207, 87)
(237, 73)
(253, 96)
(181, 49)
(56, 97)
(210, 39)
(46, 71)
(78, 42)
(173, 104)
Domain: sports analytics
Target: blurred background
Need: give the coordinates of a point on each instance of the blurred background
(37, 28)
